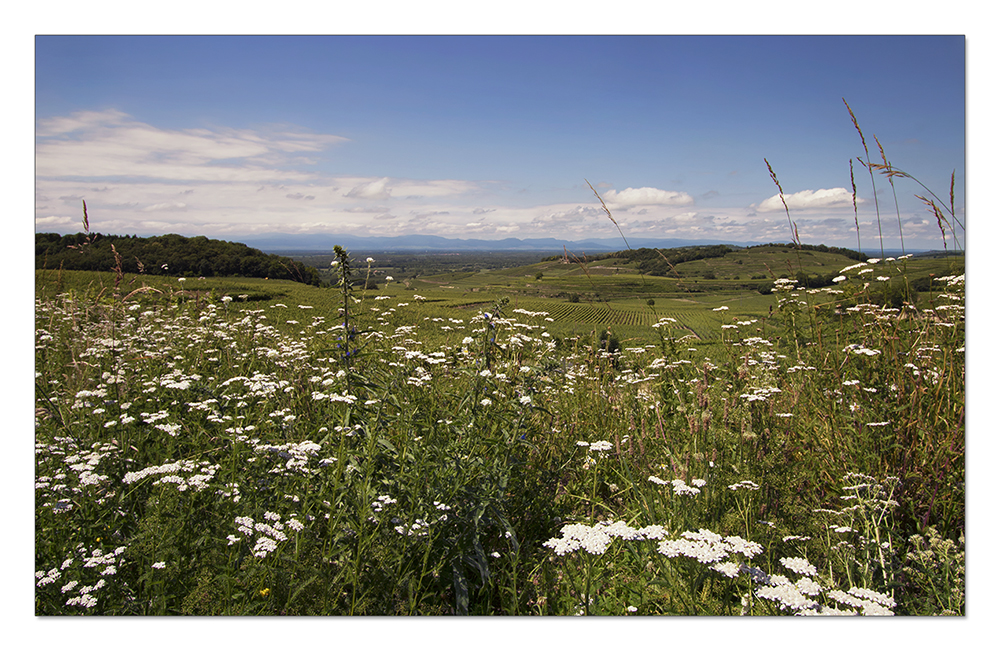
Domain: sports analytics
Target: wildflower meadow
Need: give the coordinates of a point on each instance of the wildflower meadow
(216, 457)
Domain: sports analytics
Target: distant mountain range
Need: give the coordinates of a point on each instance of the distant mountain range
(274, 242)
(285, 244)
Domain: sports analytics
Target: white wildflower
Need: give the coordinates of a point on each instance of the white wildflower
(799, 566)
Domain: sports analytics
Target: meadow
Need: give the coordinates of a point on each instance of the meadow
(569, 437)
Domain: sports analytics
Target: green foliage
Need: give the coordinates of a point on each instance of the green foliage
(165, 255)
(419, 450)
(661, 262)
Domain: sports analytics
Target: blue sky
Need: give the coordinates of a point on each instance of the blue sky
(492, 137)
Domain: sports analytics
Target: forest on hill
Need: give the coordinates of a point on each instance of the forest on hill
(166, 255)
(660, 263)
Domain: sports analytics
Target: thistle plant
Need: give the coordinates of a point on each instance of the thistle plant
(346, 347)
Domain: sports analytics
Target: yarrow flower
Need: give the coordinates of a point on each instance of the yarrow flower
(787, 595)
(708, 547)
(730, 569)
(681, 488)
(595, 540)
(799, 566)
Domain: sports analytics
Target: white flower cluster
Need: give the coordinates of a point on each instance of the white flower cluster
(268, 533)
(334, 397)
(786, 594)
(858, 349)
(679, 486)
(707, 547)
(296, 456)
(600, 446)
(866, 602)
(853, 267)
(418, 528)
(784, 284)
(799, 566)
(199, 474)
(797, 596)
(595, 539)
(760, 394)
(381, 502)
(420, 377)
(95, 558)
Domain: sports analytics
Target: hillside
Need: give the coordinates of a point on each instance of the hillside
(169, 255)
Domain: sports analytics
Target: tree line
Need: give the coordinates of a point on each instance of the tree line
(166, 255)
(659, 262)
(823, 248)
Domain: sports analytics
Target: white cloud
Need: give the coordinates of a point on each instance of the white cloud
(91, 144)
(647, 197)
(175, 205)
(809, 200)
(371, 190)
(434, 188)
(79, 121)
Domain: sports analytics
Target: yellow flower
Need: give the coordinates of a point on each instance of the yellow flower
(265, 592)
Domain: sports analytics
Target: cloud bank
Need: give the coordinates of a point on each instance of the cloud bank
(224, 182)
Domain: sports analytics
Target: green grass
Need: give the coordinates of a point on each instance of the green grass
(287, 449)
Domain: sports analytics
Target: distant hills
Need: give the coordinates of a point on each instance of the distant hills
(411, 243)
(267, 255)
(288, 244)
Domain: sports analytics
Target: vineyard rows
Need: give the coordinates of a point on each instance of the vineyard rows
(695, 320)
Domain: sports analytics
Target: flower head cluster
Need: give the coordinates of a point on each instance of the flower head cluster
(595, 539)
(293, 457)
(786, 594)
(381, 502)
(269, 532)
(107, 565)
(799, 566)
(868, 602)
(708, 547)
(681, 488)
(185, 475)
